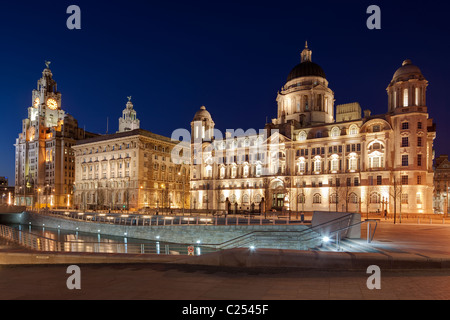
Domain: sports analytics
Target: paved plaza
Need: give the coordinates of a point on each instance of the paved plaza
(177, 281)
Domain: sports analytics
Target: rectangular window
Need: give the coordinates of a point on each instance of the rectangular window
(370, 180)
(405, 142)
(419, 179)
(419, 141)
(419, 125)
(379, 180)
(404, 180)
(405, 162)
(404, 198)
(419, 160)
(405, 125)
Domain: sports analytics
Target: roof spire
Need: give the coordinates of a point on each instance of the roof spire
(306, 44)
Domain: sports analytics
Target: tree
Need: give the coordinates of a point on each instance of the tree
(395, 192)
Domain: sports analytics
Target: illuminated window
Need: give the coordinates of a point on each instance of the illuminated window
(317, 165)
(404, 198)
(208, 171)
(353, 130)
(258, 170)
(417, 96)
(405, 97)
(334, 164)
(335, 132)
(352, 163)
(302, 136)
(233, 171)
(375, 198)
(245, 171)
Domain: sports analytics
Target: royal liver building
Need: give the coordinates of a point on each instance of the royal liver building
(316, 156)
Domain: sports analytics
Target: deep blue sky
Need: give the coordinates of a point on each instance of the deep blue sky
(231, 56)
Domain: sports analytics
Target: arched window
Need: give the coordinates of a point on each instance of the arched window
(208, 171)
(352, 162)
(317, 164)
(335, 132)
(301, 198)
(334, 198)
(246, 169)
(353, 130)
(317, 198)
(353, 198)
(258, 170)
(375, 198)
(222, 172)
(301, 165)
(302, 136)
(245, 198)
(334, 163)
(233, 171)
(405, 97)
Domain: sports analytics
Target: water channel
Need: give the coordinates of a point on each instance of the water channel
(87, 242)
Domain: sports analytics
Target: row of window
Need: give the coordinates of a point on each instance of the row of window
(405, 142)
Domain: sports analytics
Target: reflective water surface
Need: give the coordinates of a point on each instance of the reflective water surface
(76, 241)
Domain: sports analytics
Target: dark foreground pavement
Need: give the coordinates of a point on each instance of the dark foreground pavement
(414, 264)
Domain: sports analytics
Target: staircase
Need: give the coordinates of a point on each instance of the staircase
(346, 245)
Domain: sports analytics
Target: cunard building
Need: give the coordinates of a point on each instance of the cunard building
(316, 156)
(44, 159)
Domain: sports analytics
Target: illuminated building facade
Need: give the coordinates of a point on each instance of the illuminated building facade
(129, 170)
(44, 158)
(311, 160)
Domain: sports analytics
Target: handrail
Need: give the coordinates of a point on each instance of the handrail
(312, 229)
(249, 235)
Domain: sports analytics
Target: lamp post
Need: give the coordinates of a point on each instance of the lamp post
(183, 178)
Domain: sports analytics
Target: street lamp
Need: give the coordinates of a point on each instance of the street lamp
(183, 179)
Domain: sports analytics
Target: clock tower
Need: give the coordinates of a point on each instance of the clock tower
(44, 166)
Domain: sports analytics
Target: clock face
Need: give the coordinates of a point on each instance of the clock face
(36, 102)
(52, 104)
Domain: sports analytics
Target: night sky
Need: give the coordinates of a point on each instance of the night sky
(231, 56)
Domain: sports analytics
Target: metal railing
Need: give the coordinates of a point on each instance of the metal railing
(164, 220)
(308, 235)
(39, 243)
